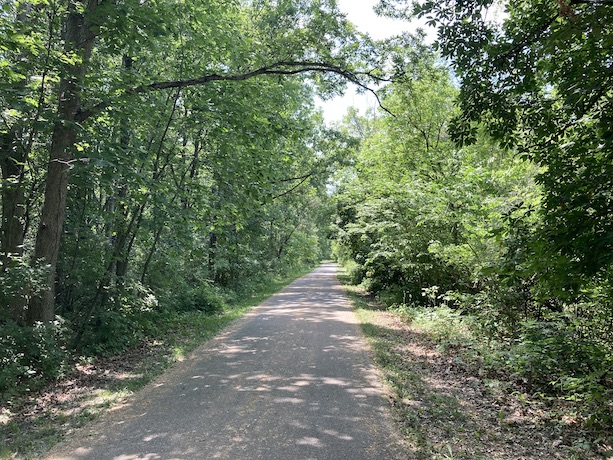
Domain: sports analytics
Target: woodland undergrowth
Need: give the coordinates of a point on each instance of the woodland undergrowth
(39, 413)
(515, 386)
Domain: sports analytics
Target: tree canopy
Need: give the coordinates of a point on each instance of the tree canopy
(538, 77)
(136, 88)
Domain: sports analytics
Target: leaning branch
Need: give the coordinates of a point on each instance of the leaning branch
(283, 68)
(290, 179)
(287, 192)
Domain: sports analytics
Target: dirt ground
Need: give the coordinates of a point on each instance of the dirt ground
(446, 410)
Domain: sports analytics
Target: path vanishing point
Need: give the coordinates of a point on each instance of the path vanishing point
(292, 379)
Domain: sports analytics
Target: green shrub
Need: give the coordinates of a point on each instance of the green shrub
(204, 297)
(355, 272)
(19, 281)
(30, 356)
(447, 326)
(549, 353)
(130, 315)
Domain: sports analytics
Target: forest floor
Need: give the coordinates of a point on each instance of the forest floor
(446, 410)
(31, 424)
(442, 407)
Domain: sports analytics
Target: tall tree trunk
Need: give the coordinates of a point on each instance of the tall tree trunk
(79, 40)
(13, 211)
(13, 198)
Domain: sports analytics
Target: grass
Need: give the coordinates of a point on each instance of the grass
(32, 425)
(443, 406)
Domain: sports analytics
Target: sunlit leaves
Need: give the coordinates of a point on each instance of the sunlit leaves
(417, 211)
(538, 77)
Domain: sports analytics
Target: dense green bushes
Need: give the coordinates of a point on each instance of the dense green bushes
(456, 239)
(30, 357)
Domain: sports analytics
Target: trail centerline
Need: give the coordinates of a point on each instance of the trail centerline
(293, 379)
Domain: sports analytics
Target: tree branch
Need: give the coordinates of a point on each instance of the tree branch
(289, 179)
(287, 192)
(284, 68)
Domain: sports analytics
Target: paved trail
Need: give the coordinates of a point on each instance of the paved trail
(292, 380)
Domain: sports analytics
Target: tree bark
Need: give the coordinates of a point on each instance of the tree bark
(13, 198)
(79, 40)
(13, 212)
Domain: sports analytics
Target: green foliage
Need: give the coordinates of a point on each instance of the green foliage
(537, 76)
(204, 297)
(554, 352)
(417, 212)
(130, 315)
(30, 356)
(184, 195)
(19, 280)
(179, 197)
(552, 357)
(446, 325)
(355, 272)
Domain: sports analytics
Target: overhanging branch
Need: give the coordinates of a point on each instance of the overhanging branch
(290, 190)
(282, 68)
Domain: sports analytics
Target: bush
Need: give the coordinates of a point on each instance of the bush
(30, 356)
(205, 298)
(355, 272)
(447, 326)
(19, 281)
(548, 353)
(130, 315)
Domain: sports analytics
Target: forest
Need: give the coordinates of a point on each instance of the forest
(162, 157)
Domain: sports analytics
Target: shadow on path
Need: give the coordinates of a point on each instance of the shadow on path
(291, 380)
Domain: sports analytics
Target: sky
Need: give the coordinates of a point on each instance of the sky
(361, 13)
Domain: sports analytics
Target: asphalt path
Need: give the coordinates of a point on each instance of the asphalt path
(292, 379)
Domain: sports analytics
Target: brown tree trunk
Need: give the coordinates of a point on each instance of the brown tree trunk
(13, 199)
(79, 40)
(13, 211)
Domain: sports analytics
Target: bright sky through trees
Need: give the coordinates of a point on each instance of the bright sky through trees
(361, 13)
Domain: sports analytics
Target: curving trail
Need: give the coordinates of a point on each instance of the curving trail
(293, 379)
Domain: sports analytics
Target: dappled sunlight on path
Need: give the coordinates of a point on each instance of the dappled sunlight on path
(291, 380)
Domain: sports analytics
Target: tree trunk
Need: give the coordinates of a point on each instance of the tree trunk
(13, 199)
(13, 211)
(79, 40)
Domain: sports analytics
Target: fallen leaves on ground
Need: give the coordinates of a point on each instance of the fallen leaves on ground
(446, 410)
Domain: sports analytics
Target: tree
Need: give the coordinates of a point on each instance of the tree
(416, 212)
(209, 42)
(538, 76)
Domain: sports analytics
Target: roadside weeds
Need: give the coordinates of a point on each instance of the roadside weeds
(446, 410)
(32, 425)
